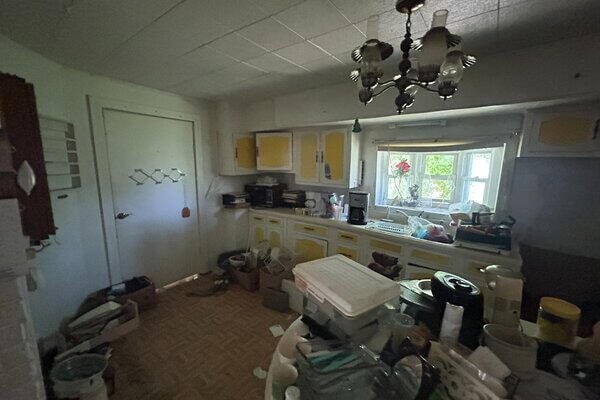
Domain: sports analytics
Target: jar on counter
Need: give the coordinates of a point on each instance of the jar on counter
(557, 320)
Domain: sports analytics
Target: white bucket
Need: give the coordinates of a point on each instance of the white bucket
(80, 377)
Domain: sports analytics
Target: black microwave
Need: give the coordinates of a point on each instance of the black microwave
(266, 196)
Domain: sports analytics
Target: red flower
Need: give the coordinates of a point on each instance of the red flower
(403, 166)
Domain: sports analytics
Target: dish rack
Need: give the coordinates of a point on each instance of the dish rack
(457, 383)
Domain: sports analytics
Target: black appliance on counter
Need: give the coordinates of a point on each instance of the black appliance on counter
(426, 301)
(269, 196)
(358, 208)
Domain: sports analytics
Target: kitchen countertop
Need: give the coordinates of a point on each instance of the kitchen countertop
(513, 259)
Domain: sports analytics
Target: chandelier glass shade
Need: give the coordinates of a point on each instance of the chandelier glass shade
(440, 61)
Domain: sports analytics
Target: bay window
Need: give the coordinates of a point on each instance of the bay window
(431, 179)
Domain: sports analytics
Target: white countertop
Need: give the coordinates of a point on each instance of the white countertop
(511, 260)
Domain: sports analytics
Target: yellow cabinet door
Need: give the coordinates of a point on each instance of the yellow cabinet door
(310, 248)
(307, 157)
(274, 151)
(348, 251)
(333, 160)
(564, 130)
(275, 237)
(259, 233)
(245, 152)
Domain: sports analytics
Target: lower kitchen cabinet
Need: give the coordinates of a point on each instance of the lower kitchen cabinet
(381, 246)
(348, 251)
(312, 239)
(310, 248)
(275, 237)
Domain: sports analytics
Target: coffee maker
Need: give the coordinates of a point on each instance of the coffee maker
(358, 208)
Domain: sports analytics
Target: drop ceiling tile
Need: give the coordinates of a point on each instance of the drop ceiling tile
(237, 46)
(323, 63)
(200, 86)
(275, 6)
(357, 10)
(270, 34)
(340, 40)
(312, 18)
(527, 24)
(237, 72)
(272, 63)
(180, 31)
(233, 13)
(392, 25)
(105, 24)
(301, 53)
(478, 32)
(457, 9)
(207, 59)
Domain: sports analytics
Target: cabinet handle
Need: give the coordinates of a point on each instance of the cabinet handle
(316, 156)
(273, 221)
(257, 152)
(596, 128)
(308, 228)
(347, 237)
(258, 218)
(236, 153)
(321, 157)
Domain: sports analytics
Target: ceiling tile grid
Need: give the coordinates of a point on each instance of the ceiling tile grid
(219, 48)
(312, 18)
(270, 34)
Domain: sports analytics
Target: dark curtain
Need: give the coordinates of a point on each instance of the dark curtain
(19, 120)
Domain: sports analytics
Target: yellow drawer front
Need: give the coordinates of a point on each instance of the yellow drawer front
(311, 229)
(349, 252)
(377, 245)
(274, 221)
(258, 218)
(347, 237)
(310, 249)
(434, 258)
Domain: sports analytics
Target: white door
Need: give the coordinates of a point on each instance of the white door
(156, 235)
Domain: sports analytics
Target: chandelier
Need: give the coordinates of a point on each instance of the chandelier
(440, 60)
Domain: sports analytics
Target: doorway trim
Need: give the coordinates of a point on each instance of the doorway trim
(97, 106)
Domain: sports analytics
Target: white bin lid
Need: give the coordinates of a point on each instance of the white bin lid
(350, 287)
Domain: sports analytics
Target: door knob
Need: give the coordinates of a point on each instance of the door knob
(122, 215)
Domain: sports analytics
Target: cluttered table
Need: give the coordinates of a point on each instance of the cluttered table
(344, 348)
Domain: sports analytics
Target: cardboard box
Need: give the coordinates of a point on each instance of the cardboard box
(141, 290)
(249, 280)
(270, 281)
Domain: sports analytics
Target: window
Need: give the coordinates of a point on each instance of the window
(434, 180)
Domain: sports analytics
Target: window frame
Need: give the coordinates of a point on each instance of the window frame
(459, 177)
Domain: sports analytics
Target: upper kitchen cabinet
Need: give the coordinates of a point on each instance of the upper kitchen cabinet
(237, 154)
(274, 151)
(328, 158)
(565, 131)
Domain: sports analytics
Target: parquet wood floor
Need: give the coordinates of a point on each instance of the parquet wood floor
(198, 347)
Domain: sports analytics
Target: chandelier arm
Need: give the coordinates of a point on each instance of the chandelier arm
(422, 85)
(382, 90)
(387, 83)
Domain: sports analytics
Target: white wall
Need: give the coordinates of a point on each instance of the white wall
(524, 75)
(75, 264)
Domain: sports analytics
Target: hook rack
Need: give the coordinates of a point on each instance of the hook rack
(158, 176)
